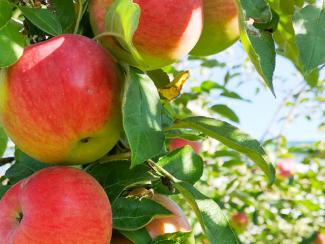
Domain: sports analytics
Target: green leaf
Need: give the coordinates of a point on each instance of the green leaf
(133, 214)
(3, 190)
(43, 19)
(140, 236)
(231, 137)
(3, 141)
(12, 44)
(121, 21)
(65, 13)
(5, 13)
(212, 220)
(142, 118)
(309, 29)
(116, 176)
(159, 77)
(175, 238)
(23, 167)
(184, 164)
(225, 111)
(257, 9)
(259, 44)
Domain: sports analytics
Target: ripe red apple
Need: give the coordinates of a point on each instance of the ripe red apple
(221, 28)
(179, 142)
(60, 103)
(56, 205)
(239, 221)
(167, 30)
(285, 168)
(171, 224)
(320, 239)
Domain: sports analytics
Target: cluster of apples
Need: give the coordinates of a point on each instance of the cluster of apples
(61, 104)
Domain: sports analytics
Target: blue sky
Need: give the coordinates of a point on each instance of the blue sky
(255, 117)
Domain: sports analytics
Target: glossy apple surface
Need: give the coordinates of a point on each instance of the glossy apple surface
(171, 224)
(179, 142)
(221, 28)
(167, 30)
(60, 103)
(56, 205)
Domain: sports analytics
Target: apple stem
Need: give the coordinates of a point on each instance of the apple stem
(76, 28)
(19, 217)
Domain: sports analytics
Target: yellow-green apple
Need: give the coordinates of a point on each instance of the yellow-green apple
(220, 29)
(239, 221)
(320, 238)
(179, 142)
(60, 103)
(285, 168)
(56, 205)
(170, 224)
(167, 30)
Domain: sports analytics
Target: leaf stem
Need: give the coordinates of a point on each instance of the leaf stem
(116, 157)
(162, 171)
(76, 28)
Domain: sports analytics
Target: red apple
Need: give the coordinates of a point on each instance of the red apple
(178, 142)
(171, 224)
(320, 239)
(56, 205)
(239, 221)
(285, 168)
(168, 30)
(221, 28)
(60, 103)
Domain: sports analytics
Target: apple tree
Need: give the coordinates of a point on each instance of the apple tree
(97, 88)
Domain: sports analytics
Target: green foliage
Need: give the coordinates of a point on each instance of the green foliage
(43, 19)
(142, 118)
(133, 214)
(12, 44)
(259, 44)
(116, 177)
(231, 137)
(310, 37)
(222, 180)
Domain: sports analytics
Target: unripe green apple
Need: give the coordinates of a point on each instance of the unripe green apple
(179, 142)
(220, 29)
(60, 103)
(168, 30)
(56, 205)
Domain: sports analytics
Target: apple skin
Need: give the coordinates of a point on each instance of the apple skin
(179, 142)
(239, 221)
(285, 169)
(59, 205)
(171, 224)
(220, 29)
(320, 239)
(60, 103)
(167, 30)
